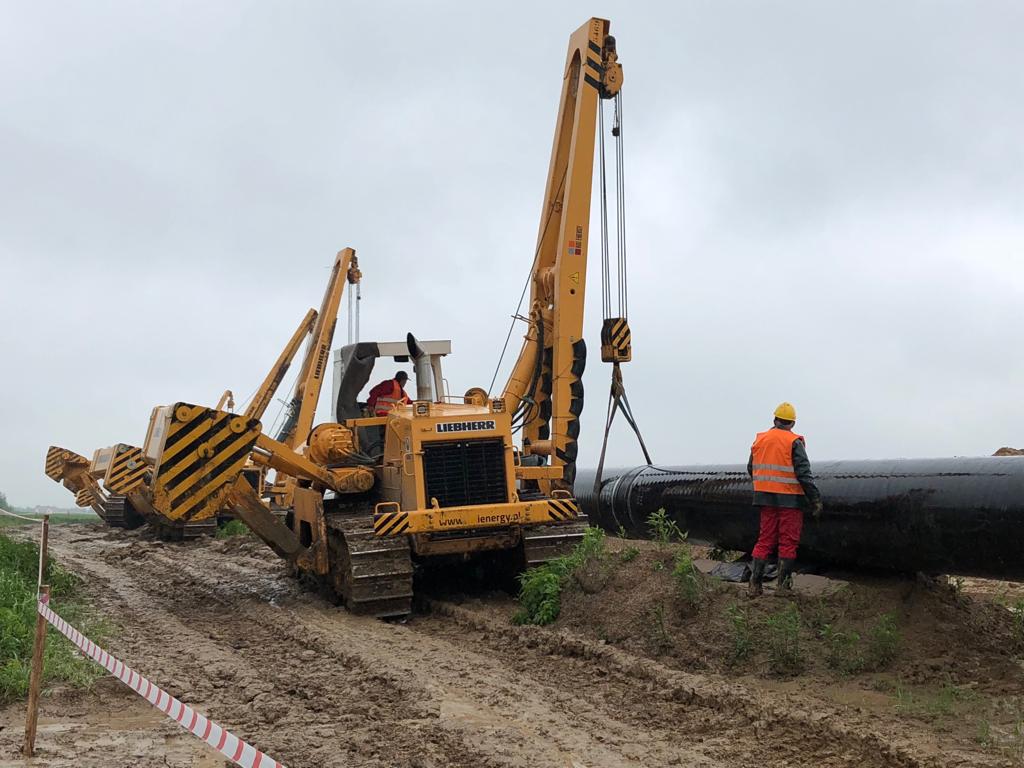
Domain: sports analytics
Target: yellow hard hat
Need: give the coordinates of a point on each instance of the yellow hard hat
(786, 412)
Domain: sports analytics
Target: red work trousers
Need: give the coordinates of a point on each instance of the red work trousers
(780, 527)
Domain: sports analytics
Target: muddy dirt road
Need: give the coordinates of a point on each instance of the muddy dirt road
(222, 626)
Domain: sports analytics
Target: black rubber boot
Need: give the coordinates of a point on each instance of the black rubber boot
(754, 588)
(784, 585)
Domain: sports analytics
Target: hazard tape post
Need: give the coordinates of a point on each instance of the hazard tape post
(216, 736)
(35, 680)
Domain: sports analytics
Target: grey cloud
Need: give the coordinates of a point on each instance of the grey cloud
(177, 177)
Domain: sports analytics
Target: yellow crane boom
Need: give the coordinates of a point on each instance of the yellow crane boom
(302, 407)
(545, 389)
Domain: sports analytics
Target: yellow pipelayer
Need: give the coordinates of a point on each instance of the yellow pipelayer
(425, 449)
(73, 472)
(449, 480)
(126, 469)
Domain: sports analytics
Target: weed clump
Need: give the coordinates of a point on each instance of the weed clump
(883, 641)
(843, 650)
(742, 634)
(663, 528)
(785, 654)
(540, 589)
(847, 653)
(943, 702)
(232, 528)
(19, 562)
(659, 632)
(629, 554)
(689, 582)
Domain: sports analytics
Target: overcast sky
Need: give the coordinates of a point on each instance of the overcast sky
(825, 202)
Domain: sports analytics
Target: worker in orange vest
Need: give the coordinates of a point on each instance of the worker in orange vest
(783, 488)
(388, 394)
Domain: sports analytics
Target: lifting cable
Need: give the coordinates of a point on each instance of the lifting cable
(615, 335)
(354, 296)
(526, 286)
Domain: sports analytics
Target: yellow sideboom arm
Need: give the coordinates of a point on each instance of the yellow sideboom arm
(72, 471)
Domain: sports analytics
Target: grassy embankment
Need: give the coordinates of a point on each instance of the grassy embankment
(19, 563)
(920, 649)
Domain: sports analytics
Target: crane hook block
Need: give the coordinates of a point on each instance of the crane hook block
(616, 340)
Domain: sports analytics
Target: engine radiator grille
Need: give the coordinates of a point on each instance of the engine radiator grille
(461, 473)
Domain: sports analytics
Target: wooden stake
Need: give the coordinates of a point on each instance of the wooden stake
(44, 551)
(35, 683)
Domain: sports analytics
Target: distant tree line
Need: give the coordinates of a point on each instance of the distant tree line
(17, 510)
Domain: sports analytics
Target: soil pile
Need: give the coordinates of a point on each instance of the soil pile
(911, 648)
(645, 667)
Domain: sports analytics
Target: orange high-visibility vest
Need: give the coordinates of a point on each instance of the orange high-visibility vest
(773, 462)
(384, 405)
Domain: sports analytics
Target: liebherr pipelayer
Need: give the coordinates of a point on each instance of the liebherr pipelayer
(449, 480)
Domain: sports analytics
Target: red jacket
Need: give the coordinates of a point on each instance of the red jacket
(391, 392)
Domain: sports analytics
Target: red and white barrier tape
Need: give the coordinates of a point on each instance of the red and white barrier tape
(20, 517)
(216, 736)
(42, 522)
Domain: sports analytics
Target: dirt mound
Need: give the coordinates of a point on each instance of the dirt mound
(637, 673)
(917, 648)
(920, 630)
(1004, 451)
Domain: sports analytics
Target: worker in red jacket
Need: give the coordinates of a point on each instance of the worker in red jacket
(388, 394)
(783, 488)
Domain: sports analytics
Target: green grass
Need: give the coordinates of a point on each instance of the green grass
(883, 641)
(232, 528)
(843, 650)
(944, 702)
(849, 653)
(742, 633)
(689, 582)
(663, 528)
(19, 563)
(660, 637)
(629, 554)
(785, 654)
(540, 588)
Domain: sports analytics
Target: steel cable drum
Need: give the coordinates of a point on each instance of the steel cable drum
(962, 515)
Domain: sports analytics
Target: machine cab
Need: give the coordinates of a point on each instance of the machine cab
(354, 365)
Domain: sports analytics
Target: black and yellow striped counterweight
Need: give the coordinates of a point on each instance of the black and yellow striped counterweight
(127, 470)
(203, 453)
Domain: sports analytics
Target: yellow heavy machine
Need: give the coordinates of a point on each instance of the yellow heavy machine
(355, 502)
(124, 500)
(102, 483)
(73, 471)
(448, 479)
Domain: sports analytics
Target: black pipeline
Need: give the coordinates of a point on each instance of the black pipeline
(961, 516)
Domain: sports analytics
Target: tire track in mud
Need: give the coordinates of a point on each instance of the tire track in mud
(736, 726)
(454, 687)
(261, 677)
(634, 699)
(477, 699)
